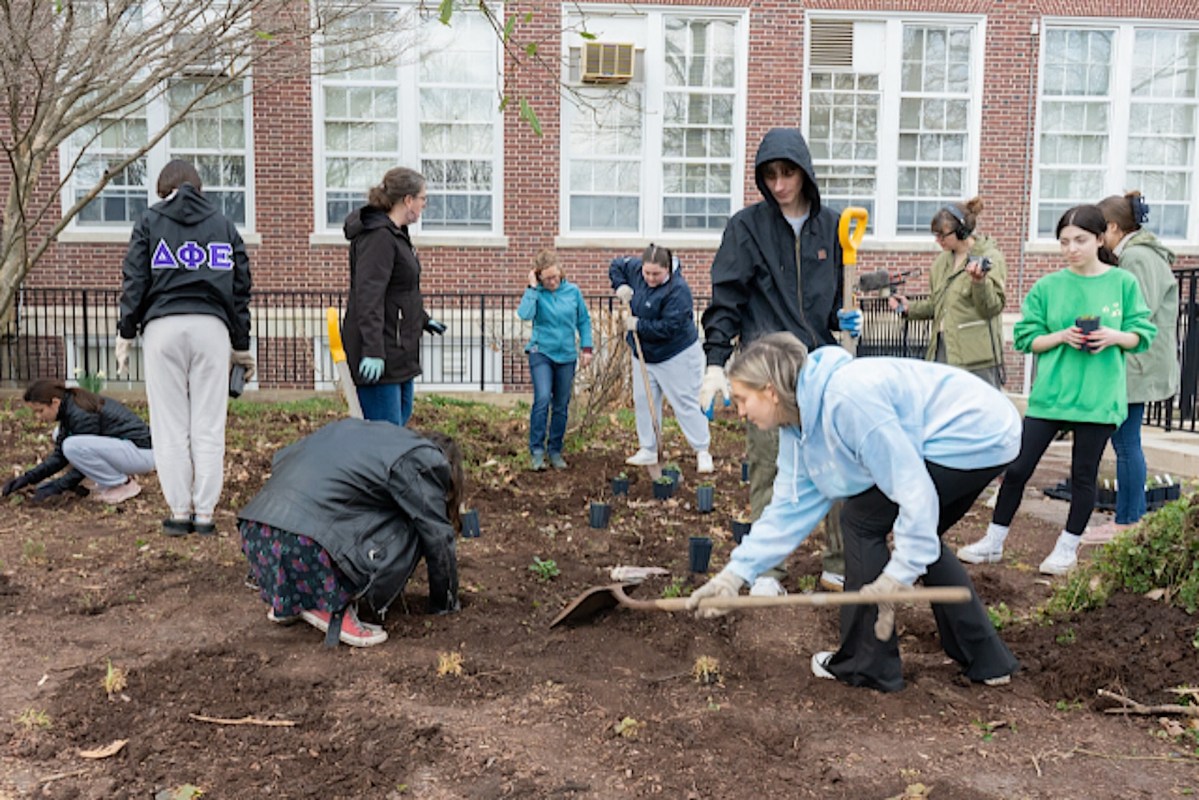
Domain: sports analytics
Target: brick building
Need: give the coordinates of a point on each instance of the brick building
(1035, 105)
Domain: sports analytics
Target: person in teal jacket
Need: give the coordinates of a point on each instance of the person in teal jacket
(559, 313)
(908, 445)
(1079, 322)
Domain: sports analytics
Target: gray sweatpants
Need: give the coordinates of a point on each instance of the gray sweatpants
(106, 460)
(678, 378)
(187, 385)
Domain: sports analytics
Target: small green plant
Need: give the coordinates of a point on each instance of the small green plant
(807, 583)
(671, 466)
(664, 480)
(545, 570)
(33, 552)
(1067, 637)
(1000, 615)
(90, 381)
(114, 680)
(707, 485)
(628, 728)
(706, 670)
(33, 719)
(677, 588)
(622, 475)
(1068, 705)
(986, 729)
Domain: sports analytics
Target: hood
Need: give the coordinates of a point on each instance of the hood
(789, 144)
(186, 206)
(1144, 238)
(822, 364)
(367, 218)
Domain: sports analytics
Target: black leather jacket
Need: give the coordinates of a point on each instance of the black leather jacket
(113, 419)
(373, 495)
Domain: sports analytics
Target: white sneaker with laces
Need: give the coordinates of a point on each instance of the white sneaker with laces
(767, 587)
(987, 550)
(1064, 556)
(820, 665)
(703, 462)
(642, 458)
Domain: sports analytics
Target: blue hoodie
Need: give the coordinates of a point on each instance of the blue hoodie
(874, 422)
(556, 316)
(665, 314)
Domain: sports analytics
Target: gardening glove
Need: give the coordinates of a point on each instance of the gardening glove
(123, 348)
(884, 626)
(434, 327)
(630, 323)
(850, 322)
(46, 491)
(725, 584)
(714, 383)
(371, 369)
(13, 484)
(244, 359)
(625, 293)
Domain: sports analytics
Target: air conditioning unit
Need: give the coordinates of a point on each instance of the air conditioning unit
(606, 62)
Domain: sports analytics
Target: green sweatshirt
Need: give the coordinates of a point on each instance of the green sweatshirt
(1071, 384)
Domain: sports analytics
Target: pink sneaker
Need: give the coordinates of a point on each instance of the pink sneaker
(112, 495)
(353, 632)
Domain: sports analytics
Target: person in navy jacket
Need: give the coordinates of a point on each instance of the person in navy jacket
(662, 316)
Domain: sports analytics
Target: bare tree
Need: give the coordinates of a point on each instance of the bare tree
(71, 70)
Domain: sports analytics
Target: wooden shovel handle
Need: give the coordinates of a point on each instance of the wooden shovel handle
(934, 594)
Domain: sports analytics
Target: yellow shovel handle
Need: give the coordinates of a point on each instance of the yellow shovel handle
(336, 350)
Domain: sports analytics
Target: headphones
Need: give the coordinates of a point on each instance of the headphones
(962, 231)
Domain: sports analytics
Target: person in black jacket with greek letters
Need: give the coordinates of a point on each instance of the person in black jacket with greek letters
(97, 437)
(347, 514)
(187, 288)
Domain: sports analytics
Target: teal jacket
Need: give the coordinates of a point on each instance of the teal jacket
(556, 317)
(1154, 374)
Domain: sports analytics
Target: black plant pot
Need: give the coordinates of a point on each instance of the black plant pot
(740, 529)
(1173, 492)
(705, 499)
(675, 476)
(600, 514)
(745, 472)
(470, 524)
(1105, 499)
(699, 552)
(663, 490)
(620, 486)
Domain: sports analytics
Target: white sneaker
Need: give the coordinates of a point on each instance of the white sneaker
(985, 551)
(642, 458)
(767, 587)
(703, 462)
(832, 582)
(820, 665)
(1064, 556)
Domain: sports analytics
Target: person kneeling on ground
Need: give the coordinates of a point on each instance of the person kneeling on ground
(347, 514)
(97, 437)
(909, 446)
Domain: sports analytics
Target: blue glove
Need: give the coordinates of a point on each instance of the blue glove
(710, 412)
(851, 322)
(370, 369)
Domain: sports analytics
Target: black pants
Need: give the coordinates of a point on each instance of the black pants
(967, 635)
(1089, 441)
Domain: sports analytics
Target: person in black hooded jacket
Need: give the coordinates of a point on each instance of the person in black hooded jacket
(187, 288)
(779, 268)
(385, 313)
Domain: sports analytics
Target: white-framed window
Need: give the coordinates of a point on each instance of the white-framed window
(1118, 109)
(659, 154)
(434, 108)
(891, 115)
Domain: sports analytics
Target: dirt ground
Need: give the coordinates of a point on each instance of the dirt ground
(607, 709)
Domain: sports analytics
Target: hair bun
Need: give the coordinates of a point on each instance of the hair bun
(1140, 209)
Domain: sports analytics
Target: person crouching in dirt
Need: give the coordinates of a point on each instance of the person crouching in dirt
(97, 437)
(909, 446)
(347, 514)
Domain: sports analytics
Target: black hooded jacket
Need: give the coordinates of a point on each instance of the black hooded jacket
(756, 288)
(385, 312)
(373, 495)
(185, 257)
(113, 420)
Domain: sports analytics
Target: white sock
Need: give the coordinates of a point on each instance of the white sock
(997, 533)
(1068, 541)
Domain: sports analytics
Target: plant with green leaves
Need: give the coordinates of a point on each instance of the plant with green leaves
(677, 588)
(90, 381)
(545, 570)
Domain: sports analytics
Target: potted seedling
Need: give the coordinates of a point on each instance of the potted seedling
(740, 527)
(705, 497)
(672, 471)
(1155, 492)
(620, 484)
(1173, 490)
(699, 552)
(1088, 324)
(664, 488)
(470, 524)
(600, 514)
(1105, 495)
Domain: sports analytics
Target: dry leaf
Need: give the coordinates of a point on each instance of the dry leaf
(106, 751)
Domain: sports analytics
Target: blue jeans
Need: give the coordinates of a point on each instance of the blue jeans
(1130, 467)
(389, 402)
(551, 389)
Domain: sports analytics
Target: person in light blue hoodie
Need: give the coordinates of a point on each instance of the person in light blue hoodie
(908, 445)
(558, 312)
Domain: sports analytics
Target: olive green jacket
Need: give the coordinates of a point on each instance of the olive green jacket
(966, 313)
(1154, 374)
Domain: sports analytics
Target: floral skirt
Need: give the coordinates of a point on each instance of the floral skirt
(293, 572)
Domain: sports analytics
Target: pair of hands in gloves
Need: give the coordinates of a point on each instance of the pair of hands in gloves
(240, 358)
(43, 492)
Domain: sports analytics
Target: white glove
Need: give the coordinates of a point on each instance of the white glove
(123, 348)
(714, 383)
(725, 584)
(625, 293)
(630, 323)
(244, 358)
(884, 626)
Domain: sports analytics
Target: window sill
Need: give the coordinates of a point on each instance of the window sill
(1053, 248)
(637, 241)
(488, 240)
(122, 237)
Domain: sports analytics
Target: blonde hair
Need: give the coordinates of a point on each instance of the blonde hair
(545, 259)
(774, 360)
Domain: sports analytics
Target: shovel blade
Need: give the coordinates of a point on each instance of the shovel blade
(590, 603)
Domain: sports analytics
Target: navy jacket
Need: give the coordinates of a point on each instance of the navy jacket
(373, 495)
(756, 287)
(113, 419)
(185, 257)
(665, 314)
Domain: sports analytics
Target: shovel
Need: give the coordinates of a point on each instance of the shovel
(601, 598)
(851, 229)
(654, 471)
(344, 380)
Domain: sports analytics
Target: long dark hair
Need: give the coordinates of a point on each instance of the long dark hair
(1090, 219)
(457, 493)
(47, 390)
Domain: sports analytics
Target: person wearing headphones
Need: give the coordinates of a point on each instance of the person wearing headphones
(966, 295)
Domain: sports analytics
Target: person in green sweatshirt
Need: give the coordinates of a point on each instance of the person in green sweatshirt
(966, 295)
(1079, 322)
(1152, 375)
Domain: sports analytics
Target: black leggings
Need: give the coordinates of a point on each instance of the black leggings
(1089, 440)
